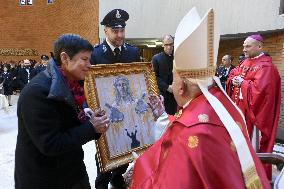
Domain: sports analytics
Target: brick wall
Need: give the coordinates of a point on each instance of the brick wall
(37, 26)
(273, 44)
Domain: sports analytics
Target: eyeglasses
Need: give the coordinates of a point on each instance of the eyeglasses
(170, 44)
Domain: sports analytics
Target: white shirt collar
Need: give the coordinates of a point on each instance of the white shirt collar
(111, 46)
(186, 104)
(228, 68)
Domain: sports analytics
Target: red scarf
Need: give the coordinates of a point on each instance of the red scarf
(79, 96)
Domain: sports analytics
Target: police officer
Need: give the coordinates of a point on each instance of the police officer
(114, 50)
(42, 65)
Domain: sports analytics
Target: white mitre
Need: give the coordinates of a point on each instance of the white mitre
(196, 45)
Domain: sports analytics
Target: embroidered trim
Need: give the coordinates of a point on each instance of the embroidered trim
(233, 147)
(204, 118)
(178, 114)
(198, 73)
(252, 180)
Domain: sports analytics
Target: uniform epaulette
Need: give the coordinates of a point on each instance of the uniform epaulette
(129, 44)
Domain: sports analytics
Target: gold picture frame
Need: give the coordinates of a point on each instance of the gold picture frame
(122, 89)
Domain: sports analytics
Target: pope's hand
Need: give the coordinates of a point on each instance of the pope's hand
(156, 104)
(129, 172)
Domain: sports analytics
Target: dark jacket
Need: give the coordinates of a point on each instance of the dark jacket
(49, 151)
(39, 68)
(24, 77)
(223, 74)
(163, 67)
(103, 54)
(7, 79)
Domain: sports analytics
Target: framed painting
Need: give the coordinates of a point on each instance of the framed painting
(122, 91)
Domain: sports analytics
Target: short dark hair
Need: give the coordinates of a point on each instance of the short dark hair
(70, 44)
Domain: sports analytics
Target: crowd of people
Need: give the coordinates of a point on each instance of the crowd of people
(204, 124)
(15, 75)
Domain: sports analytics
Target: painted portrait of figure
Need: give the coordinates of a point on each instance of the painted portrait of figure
(125, 100)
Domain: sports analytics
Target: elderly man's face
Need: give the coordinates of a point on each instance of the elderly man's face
(115, 36)
(121, 87)
(252, 48)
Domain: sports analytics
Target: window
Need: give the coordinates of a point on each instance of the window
(50, 1)
(26, 2)
(281, 8)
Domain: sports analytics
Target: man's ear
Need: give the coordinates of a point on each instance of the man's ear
(64, 58)
(181, 88)
(105, 30)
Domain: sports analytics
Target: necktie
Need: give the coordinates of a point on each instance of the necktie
(117, 54)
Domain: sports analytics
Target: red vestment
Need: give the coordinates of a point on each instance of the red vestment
(260, 98)
(195, 152)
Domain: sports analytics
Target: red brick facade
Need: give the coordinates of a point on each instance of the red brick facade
(37, 26)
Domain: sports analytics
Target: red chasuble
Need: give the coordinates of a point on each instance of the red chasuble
(195, 152)
(259, 98)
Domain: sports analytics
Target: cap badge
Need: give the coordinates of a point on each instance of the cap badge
(118, 15)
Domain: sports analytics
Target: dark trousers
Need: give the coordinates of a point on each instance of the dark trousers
(170, 103)
(114, 177)
(82, 184)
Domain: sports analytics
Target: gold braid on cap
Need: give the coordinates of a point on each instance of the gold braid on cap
(211, 69)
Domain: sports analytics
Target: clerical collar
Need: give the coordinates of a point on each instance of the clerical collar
(111, 46)
(258, 56)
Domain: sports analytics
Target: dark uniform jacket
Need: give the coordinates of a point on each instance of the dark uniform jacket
(223, 74)
(39, 68)
(163, 66)
(49, 151)
(103, 54)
